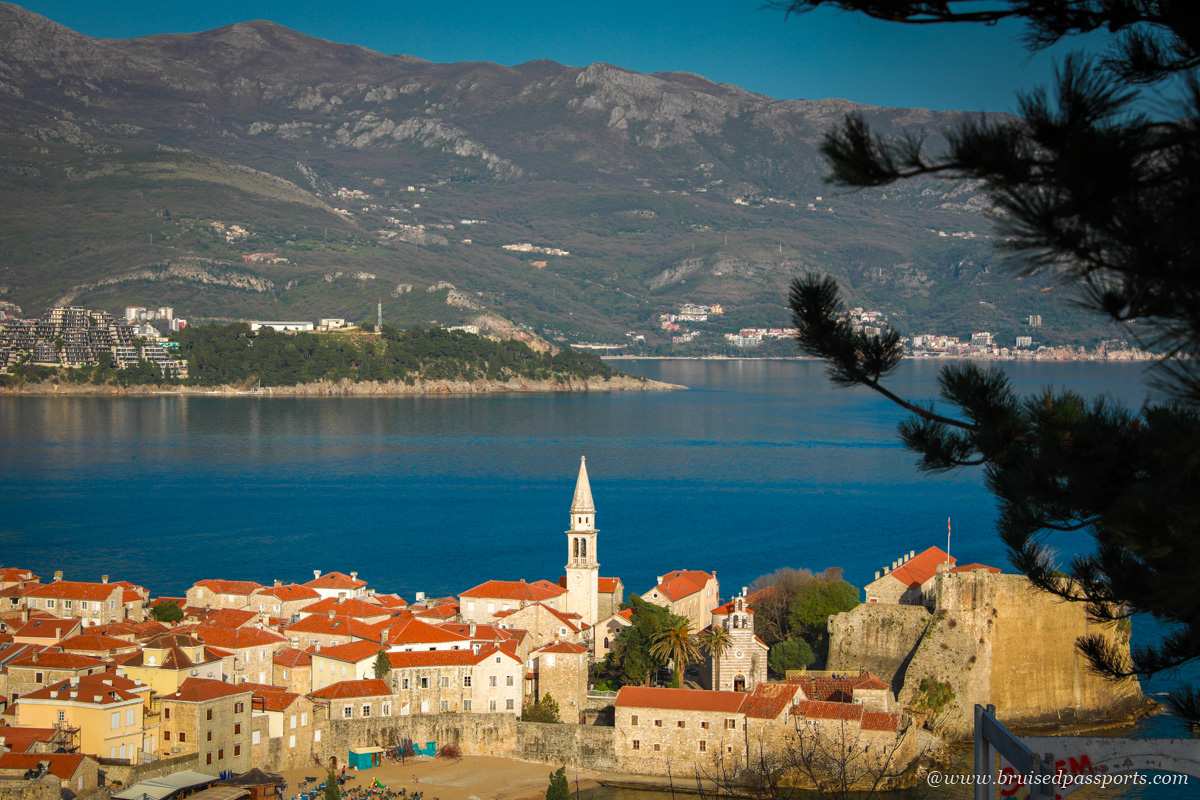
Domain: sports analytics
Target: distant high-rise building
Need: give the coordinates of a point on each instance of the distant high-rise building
(134, 313)
(1035, 320)
(1024, 341)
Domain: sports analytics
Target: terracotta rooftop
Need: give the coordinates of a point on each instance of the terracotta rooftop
(680, 699)
(270, 698)
(851, 712)
(346, 607)
(200, 690)
(973, 567)
(95, 643)
(335, 580)
(411, 630)
(291, 657)
(681, 583)
(290, 591)
(16, 575)
(728, 608)
(569, 648)
(229, 618)
(515, 590)
(42, 628)
(352, 652)
(445, 658)
(94, 693)
(342, 690)
(21, 739)
(920, 568)
(218, 586)
(238, 638)
(75, 590)
(391, 600)
(483, 632)
(769, 700)
(62, 765)
(445, 611)
(56, 659)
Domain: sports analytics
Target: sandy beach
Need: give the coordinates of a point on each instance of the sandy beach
(469, 778)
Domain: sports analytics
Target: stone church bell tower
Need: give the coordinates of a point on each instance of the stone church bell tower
(583, 570)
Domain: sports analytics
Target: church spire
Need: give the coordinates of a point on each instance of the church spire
(582, 502)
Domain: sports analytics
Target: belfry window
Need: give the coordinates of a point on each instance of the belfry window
(583, 547)
(576, 548)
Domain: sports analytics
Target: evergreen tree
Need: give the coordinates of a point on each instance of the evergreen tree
(1094, 192)
(332, 790)
(558, 789)
(383, 665)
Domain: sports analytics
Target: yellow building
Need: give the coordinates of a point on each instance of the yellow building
(166, 662)
(108, 711)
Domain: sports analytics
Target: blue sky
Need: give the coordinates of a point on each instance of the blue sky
(811, 56)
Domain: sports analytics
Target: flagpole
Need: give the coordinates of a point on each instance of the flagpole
(947, 541)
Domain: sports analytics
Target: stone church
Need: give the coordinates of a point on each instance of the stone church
(743, 664)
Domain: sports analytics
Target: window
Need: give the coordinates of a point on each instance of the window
(208, 714)
(237, 728)
(343, 670)
(220, 755)
(166, 736)
(292, 741)
(182, 736)
(37, 677)
(112, 604)
(637, 745)
(491, 705)
(303, 719)
(285, 677)
(317, 735)
(255, 737)
(62, 715)
(292, 722)
(731, 724)
(682, 724)
(66, 603)
(424, 706)
(387, 712)
(238, 707)
(656, 748)
(424, 683)
(497, 659)
(466, 705)
(703, 746)
(704, 725)
(466, 681)
(492, 681)
(237, 749)
(167, 713)
(116, 720)
(129, 716)
(347, 712)
(208, 758)
(508, 704)
(404, 683)
(445, 682)
(49, 604)
(445, 706)
(658, 723)
(366, 710)
(208, 736)
(508, 681)
(633, 720)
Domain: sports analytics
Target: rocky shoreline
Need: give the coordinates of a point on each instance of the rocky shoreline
(348, 388)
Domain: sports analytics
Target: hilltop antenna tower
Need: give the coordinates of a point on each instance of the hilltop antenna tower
(379, 317)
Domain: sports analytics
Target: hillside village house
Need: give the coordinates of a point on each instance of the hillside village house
(342, 606)
(438, 681)
(353, 699)
(107, 710)
(41, 668)
(47, 630)
(92, 603)
(604, 634)
(283, 600)
(543, 624)
(292, 670)
(216, 593)
(211, 718)
(354, 662)
(253, 650)
(77, 774)
(687, 593)
(282, 727)
(482, 603)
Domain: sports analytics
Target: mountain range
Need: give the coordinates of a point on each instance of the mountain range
(252, 171)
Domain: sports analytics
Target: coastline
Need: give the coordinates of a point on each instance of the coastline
(348, 388)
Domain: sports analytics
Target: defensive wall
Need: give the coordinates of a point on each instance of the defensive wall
(992, 638)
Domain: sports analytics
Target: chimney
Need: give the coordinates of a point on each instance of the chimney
(104, 579)
(58, 575)
(353, 576)
(317, 647)
(383, 635)
(886, 570)
(35, 656)
(331, 613)
(877, 575)
(912, 553)
(278, 582)
(341, 598)
(472, 630)
(316, 574)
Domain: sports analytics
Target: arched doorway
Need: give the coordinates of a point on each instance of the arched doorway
(739, 683)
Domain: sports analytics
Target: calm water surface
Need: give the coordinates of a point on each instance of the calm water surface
(762, 464)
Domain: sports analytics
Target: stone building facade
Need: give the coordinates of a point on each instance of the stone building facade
(462, 681)
(211, 718)
(687, 593)
(743, 665)
(560, 670)
(92, 603)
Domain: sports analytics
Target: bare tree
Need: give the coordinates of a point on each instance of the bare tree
(757, 777)
(837, 760)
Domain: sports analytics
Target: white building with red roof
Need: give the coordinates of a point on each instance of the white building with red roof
(353, 699)
(283, 600)
(687, 593)
(331, 584)
(462, 681)
(253, 650)
(482, 603)
(354, 662)
(909, 579)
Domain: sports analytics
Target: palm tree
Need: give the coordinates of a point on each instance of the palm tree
(674, 642)
(716, 642)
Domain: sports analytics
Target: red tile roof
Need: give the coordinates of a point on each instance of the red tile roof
(218, 586)
(62, 765)
(609, 585)
(342, 690)
(515, 590)
(446, 658)
(16, 575)
(840, 690)
(290, 591)
(769, 700)
(238, 638)
(338, 626)
(21, 739)
(270, 698)
(92, 643)
(727, 609)
(229, 618)
(851, 712)
(413, 631)
(56, 659)
(682, 583)
(75, 590)
(42, 628)
(90, 692)
(391, 600)
(680, 699)
(352, 652)
(346, 607)
(483, 632)
(291, 657)
(920, 568)
(201, 690)
(335, 580)
(437, 612)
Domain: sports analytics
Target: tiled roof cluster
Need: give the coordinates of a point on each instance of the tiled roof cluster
(516, 590)
(681, 583)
